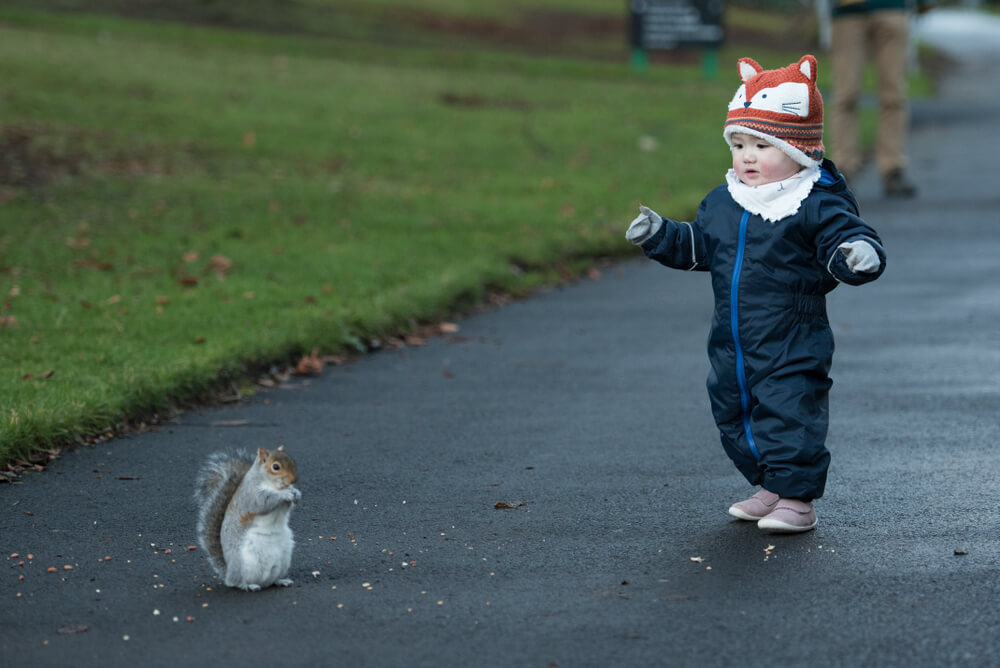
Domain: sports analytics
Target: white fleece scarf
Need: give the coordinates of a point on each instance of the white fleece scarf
(774, 201)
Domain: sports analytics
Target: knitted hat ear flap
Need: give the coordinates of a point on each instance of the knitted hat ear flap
(783, 107)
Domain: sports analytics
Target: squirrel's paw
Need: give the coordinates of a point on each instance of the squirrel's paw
(252, 587)
(284, 582)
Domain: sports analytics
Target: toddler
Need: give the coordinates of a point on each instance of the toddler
(782, 232)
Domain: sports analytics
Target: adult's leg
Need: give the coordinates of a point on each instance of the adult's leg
(848, 51)
(889, 33)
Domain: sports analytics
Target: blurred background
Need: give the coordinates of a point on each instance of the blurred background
(197, 196)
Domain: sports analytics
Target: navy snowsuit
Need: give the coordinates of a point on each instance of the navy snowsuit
(770, 344)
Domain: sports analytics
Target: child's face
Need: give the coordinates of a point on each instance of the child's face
(757, 162)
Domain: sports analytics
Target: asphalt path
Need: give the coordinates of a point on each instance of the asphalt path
(584, 410)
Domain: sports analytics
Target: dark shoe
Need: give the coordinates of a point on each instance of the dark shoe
(897, 185)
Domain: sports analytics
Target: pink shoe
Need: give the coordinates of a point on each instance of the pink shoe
(756, 507)
(789, 516)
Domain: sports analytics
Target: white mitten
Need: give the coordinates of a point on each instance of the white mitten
(861, 258)
(644, 226)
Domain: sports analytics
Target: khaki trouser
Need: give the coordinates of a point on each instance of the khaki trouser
(880, 35)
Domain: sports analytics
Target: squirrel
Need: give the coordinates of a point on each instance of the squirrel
(244, 503)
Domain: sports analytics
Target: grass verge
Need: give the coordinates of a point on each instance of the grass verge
(183, 205)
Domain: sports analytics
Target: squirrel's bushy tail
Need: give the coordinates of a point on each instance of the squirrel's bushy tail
(215, 486)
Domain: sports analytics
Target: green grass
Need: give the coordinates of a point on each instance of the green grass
(353, 188)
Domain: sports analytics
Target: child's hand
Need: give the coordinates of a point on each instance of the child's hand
(644, 226)
(861, 258)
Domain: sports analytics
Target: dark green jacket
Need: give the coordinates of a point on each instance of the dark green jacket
(843, 7)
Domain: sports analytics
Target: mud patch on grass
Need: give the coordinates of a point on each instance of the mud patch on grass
(34, 156)
(536, 30)
(31, 156)
(450, 99)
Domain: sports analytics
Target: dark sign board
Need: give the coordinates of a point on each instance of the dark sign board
(672, 24)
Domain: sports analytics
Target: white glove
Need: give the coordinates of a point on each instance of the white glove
(861, 258)
(644, 226)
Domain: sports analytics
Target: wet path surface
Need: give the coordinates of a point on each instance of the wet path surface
(584, 410)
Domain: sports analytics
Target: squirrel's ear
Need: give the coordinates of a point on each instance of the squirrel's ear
(262, 454)
(281, 448)
(748, 69)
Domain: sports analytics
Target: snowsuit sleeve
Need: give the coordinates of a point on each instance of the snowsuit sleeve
(679, 245)
(839, 225)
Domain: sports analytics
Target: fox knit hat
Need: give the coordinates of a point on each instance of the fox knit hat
(782, 107)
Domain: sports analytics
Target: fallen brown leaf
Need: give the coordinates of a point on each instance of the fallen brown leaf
(503, 505)
(94, 263)
(309, 365)
(221, 265)
(67, 630)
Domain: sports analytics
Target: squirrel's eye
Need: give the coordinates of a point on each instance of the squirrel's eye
(276, 466)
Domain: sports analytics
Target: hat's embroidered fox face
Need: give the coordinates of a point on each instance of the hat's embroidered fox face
(769, 93)
(782, 106)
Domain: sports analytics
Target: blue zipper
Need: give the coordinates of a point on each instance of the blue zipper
(734, 324)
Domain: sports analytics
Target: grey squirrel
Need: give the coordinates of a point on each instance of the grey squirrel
(244, 503)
